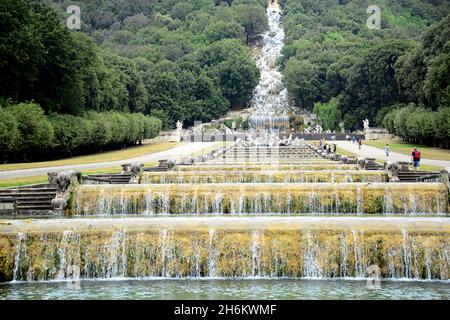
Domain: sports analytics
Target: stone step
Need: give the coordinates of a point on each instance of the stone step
(32, 203)
(34, 207)
(28, 194)
(27, 200)
(29, 190)
(113, 178)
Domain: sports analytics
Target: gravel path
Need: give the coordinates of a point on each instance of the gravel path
(170, 154)
(373, 152)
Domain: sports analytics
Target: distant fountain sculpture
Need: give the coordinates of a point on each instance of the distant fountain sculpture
(392, 169)
(361, 163)
(445, 177)
(64, 182)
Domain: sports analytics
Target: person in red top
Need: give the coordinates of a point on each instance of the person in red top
(416, 156)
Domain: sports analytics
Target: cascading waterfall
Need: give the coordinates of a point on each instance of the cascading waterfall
(256, 260)
(271, 243)
(262, 198)
(283, 176)
(17, 258)
(410, 248)
(270, 98)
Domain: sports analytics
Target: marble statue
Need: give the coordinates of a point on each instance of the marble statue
(179, 126)
(366, 124)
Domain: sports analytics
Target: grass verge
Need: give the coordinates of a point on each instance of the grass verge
(96, 158)
(402, 147)
(26, 181)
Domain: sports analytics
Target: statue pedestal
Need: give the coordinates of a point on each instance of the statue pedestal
(175, 137)
(377, 134)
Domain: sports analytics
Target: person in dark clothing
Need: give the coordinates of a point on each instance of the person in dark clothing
(334, 148)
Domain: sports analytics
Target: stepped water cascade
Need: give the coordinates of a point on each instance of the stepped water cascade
(286, 176)
(270, 97)
(261, 198)
(254, 211)
(219, 220)
(241, 166)
(227, 247)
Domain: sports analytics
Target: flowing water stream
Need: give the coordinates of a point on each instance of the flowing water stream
(271, 97)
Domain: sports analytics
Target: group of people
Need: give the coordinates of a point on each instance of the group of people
(355, 140)
(416, 156)
(327, 147)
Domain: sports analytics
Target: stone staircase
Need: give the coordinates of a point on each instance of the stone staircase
(33, 200)
(414, 176)
(164, 165)
(374, 166)
(109, 178)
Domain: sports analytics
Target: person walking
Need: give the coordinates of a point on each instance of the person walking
(387, 149)
(416, 156)
(359, 144)
(353, 139)
(334, 147)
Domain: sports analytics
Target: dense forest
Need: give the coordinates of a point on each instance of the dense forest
(170, 60)
(338, 67)
(137, 67)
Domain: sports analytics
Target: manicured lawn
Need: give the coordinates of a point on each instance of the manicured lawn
(406, 148)
(25, 181)
(96, 158)
(344, 152)
(209, 149)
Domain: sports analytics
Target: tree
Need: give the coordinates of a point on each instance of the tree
(224, 30)
(39, 57)
(10, 138)
(328, 114)
(253, 19)
(401, 121)
(101, 133)
(230, 66)
(371, 82)
(36, 132)
(442, 127)
(237, 76)
(350, 122)
(424, 73)
(302, 81)
(68, 133)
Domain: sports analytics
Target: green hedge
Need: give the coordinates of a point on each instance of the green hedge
(27, 133)
(419, 125)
